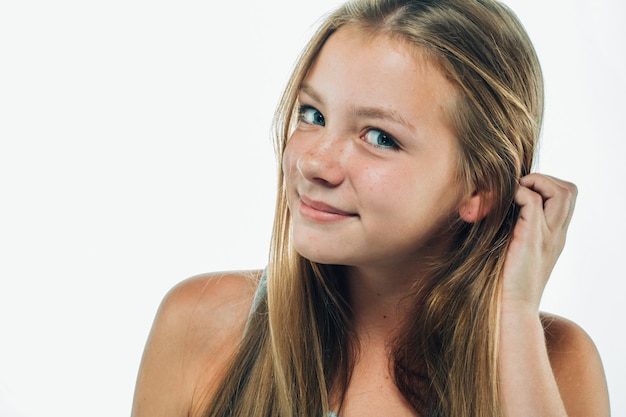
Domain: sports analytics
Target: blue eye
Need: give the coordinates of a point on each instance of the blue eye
(311, 115)
(379, 138)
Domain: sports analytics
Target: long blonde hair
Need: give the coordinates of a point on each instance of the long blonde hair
(298, 346)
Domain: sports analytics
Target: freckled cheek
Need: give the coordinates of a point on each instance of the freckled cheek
(381, 184)
(393, 190)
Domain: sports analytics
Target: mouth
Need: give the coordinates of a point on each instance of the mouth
(320, 211)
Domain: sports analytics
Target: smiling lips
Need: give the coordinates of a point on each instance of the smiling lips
(322, 212)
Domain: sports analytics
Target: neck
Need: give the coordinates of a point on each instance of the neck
(380, 301)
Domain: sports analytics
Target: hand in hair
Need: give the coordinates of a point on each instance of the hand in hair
(547, 205)
(547, 365)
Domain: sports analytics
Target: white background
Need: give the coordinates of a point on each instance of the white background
(134, 153)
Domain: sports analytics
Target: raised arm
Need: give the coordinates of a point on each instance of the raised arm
(548, 367)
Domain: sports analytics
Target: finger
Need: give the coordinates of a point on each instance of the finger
(558, 197)
(531, 203)
(531, 221)
(554, 191)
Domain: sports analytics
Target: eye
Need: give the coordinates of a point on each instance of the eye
(311, 115)
(380, 139)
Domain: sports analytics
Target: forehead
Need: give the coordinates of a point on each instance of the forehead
(375, 68)
(380, 50)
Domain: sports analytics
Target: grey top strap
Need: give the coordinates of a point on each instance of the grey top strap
(259, 295)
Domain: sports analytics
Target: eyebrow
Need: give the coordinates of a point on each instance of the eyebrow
(311, 92)
(382, 114)
(365, 112)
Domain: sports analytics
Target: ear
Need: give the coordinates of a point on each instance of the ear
(475, 207)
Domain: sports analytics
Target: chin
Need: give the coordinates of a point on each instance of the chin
(324, 257)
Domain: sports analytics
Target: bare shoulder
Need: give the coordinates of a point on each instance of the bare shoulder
(210, 306)
(577, 367)
(196, 330)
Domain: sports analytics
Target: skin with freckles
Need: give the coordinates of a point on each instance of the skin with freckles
(371, 184)
(373, 144)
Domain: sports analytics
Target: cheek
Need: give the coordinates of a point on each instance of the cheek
(388, 185)
(409, 194)
(378, 180)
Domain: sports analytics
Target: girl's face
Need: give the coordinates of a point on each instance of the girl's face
(370, 168)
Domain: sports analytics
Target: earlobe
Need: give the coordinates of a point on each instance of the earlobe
(475, 207)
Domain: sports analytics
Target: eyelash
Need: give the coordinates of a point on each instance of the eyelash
(303, 108)
(394, 143)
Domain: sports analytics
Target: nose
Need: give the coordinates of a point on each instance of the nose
(322, 162)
